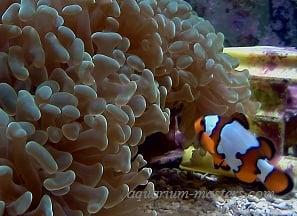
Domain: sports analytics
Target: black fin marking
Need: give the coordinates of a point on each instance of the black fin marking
(202, 122)
(270, 145)
(242, 119)
(225, 167)
(221, 165)
(216, 166)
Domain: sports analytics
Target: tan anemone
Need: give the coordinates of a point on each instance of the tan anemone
(84, 82)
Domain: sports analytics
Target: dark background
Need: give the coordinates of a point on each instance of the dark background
(251, 22)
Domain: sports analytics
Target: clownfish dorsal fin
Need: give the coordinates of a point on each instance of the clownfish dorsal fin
(242, 119)
(267, 147)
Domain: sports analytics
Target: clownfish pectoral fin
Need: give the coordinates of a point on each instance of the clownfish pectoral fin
(207, 143)
(267, 147)
(225, 166)
(242, 119)
(218, 161)
(279, 182)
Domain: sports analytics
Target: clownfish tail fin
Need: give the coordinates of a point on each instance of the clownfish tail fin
(242, 119)
(267, 147)
(274, 178)
(279, 181)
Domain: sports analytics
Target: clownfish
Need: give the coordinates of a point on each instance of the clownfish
(233, 146)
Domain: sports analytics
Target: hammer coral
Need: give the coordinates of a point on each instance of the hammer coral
(84, 82)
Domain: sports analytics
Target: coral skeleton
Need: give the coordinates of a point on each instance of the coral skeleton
(84, 82)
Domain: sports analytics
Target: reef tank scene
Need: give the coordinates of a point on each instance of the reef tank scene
(148, 107)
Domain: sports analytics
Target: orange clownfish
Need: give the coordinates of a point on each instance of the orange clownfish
(234, 147)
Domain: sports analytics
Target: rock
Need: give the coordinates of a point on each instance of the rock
(277, 201)
(220, 199)
(259, 212)
(283, 206)
(288, 163)
(231, 202)
(251, 198)
(270, 198)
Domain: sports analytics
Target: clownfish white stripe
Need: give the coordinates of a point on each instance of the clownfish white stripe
(211, 122)
(235, 139)
(265, 169)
